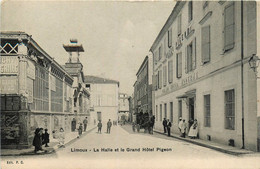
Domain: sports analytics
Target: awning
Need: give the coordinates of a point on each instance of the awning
(190, 93)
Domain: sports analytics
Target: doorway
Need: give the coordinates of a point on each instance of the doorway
(99, 116)
(191, 111)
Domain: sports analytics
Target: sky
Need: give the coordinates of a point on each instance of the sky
(116, 35)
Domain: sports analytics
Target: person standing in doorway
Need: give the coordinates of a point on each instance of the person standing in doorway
(109, 124)
(85, 122)
(164, 125)
(99, 126)
(180, 125)
(183, 128)
(169, 125)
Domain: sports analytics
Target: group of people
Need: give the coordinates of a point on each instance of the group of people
(167, 126)
(147, 125)
(40, 139)
(109, 125)
(192, 130)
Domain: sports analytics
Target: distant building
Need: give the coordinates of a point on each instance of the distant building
(103, 99)
(143, 88)
(131, 108)
(201, 66)
(36, 92)
(123, 110)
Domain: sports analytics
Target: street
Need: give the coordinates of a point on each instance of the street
(125, 149)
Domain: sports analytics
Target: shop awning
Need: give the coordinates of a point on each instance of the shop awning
(190, 93)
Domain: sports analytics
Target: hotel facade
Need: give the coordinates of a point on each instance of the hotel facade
(201, 71)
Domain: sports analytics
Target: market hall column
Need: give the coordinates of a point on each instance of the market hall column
(22, 54)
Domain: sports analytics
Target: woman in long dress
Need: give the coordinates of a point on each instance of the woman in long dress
(193, 133)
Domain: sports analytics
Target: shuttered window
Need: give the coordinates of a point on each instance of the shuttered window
(160, 79)
(154, 78)
(230, 109)
(190, 11)
(165, 110)
(170, 71)
(164, 75)
(179, 25)
(171, 111)
(160, 112)
(165, 46)
(160, 52)
(229, 27)
(205, 44)
(190, 61)
(179, 65)
(170, 37)
(156, 116)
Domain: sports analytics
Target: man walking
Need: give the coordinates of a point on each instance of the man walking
(109, 124)
(164, 125)
(180, 124)
(85, 122)
(169, 125)
(99, 126)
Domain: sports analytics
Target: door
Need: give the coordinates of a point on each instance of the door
(191, 110)
(99, 116)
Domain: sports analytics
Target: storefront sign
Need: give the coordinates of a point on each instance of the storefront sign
(8, 84)
(8, 65)
(185, 81)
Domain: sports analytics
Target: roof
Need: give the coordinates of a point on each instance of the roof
(142, 66)
(176, 10)
(95, 79)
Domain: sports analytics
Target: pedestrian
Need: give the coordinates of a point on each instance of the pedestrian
(61, 138)
(133, 126)
(193, 133)
(46, 138)
(85, 122)
(80, 130)
(37, 140)
(183, 128)
(164, 125)
(109, 124)
(179, 125)
(169, 125)
(99, 126)
(190, 123)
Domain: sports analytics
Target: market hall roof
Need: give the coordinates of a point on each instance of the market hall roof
(95, 79)
(23, 37)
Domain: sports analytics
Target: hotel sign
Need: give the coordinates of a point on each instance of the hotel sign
(8, 65)
(183, 82)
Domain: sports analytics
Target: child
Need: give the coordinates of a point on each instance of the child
(45, 138)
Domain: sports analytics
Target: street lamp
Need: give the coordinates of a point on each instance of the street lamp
(254, 63)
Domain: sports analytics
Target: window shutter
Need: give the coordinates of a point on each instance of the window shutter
(165, 46)
(179, 61)
(205, 44)
(194, 54)
(229, 27)
(170, 38)
(186, 59)
(161, 79)
(154, 82)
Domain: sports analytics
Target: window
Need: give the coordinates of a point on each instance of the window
(207, 110)
(156, 56)
(160, 112)
(230, 109)
(160, 79)
(156, 116)
(190, 11)
(229, 27)
(170, 71)
(179, 109)
(171, 111)
(160, 52)
(205, 44)
(179, 25)
(41, 90)
(56, 95)
(165, 110)
(170, 37)
(191, 56)
(179, 65)
(165, 46)
(205, 4)
(164, 75)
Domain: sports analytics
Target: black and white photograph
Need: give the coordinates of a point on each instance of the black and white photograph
(129, 84)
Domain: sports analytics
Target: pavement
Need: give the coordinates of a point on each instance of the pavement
(210, 144)
(70, 138)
